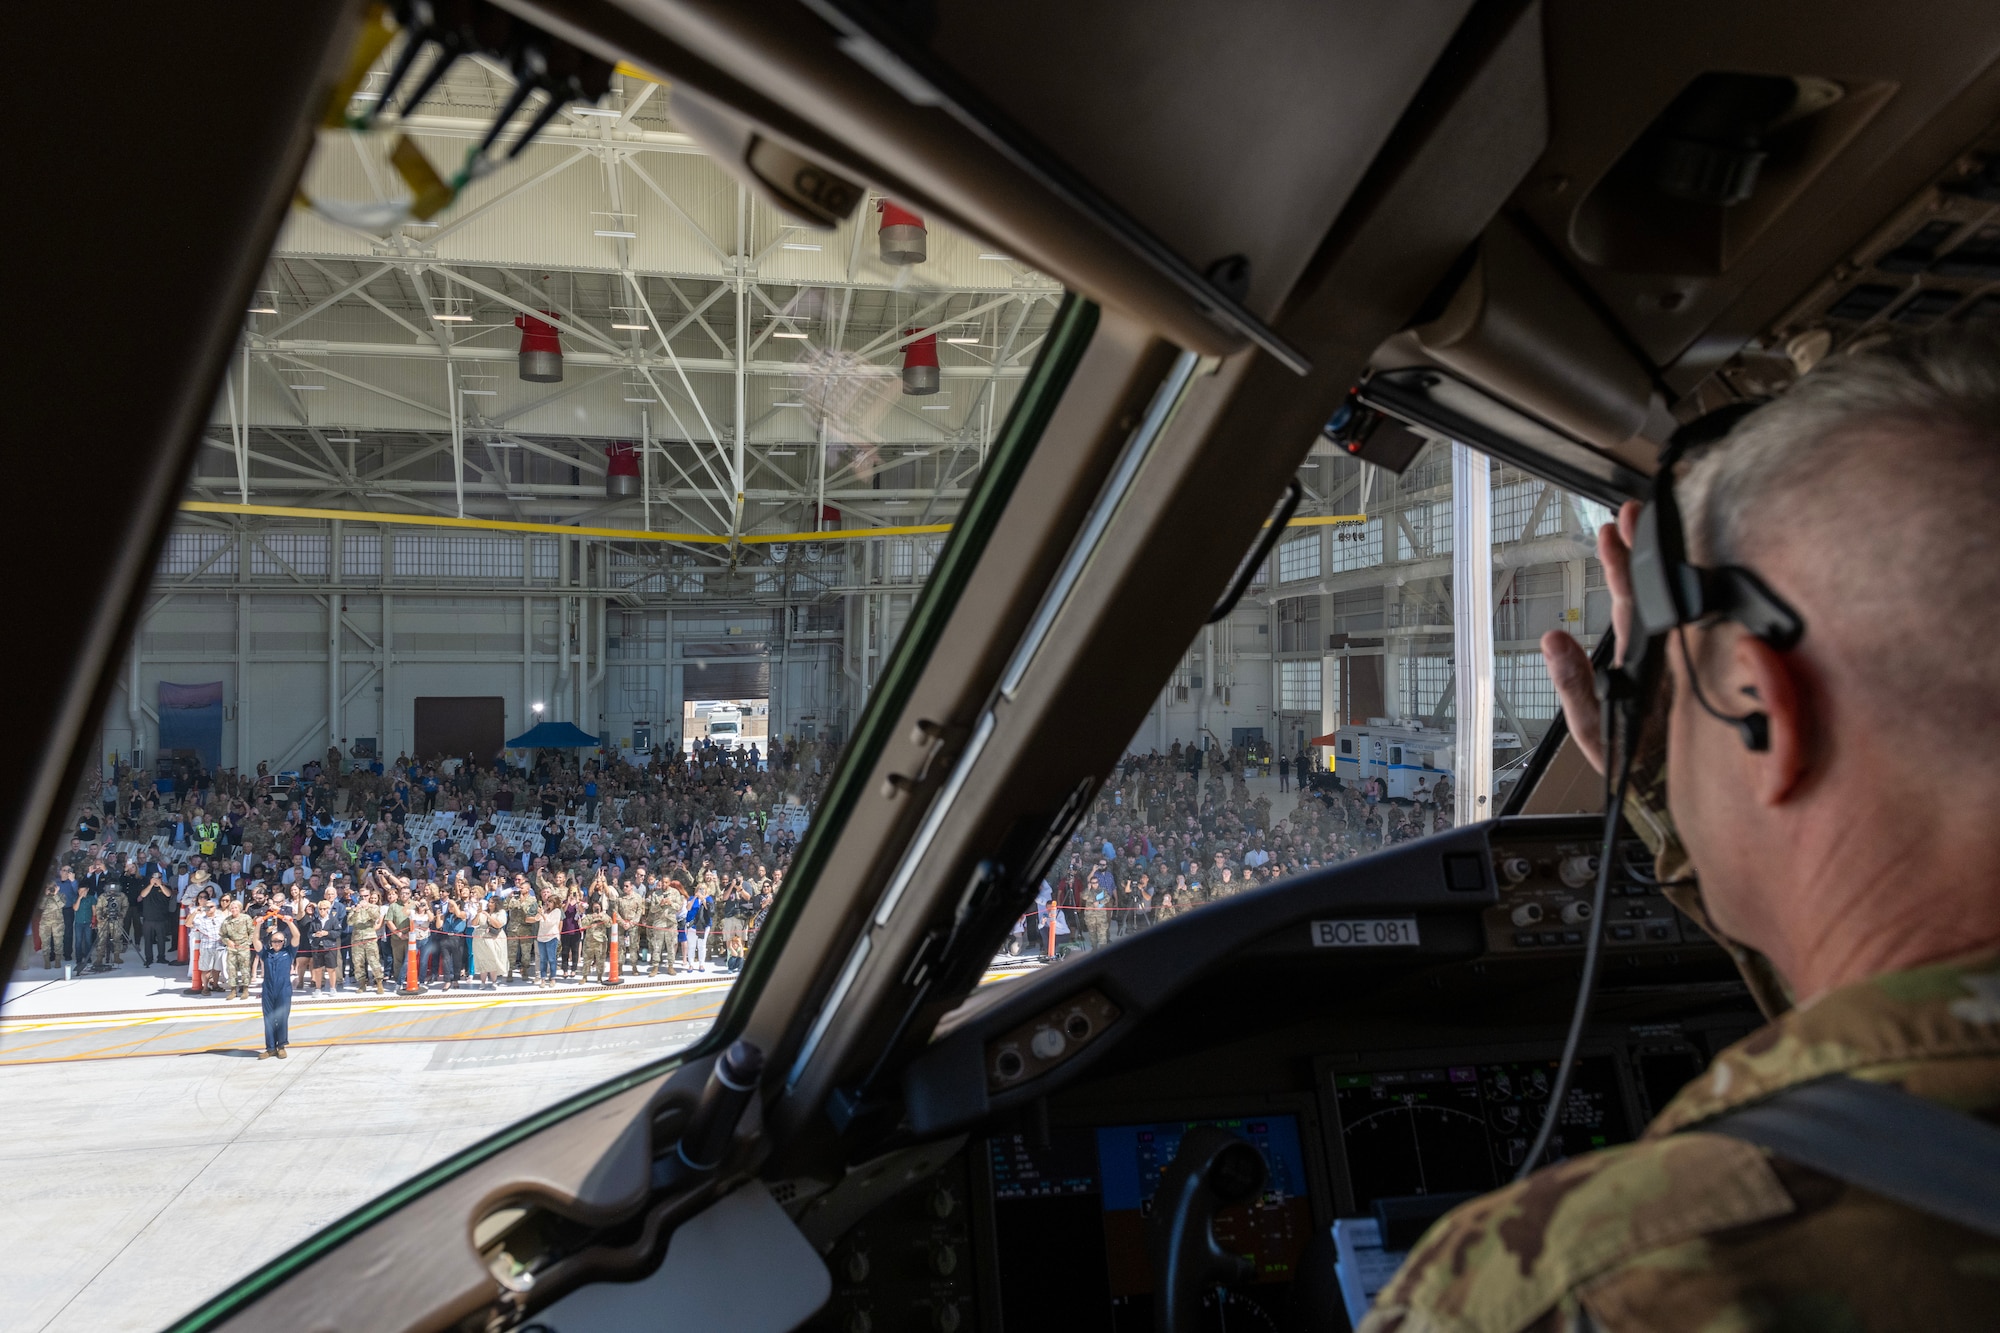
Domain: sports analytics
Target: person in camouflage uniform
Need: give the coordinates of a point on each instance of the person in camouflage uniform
(596, 925)
(1868, 932)
(110, 926)
(235, 932)
(665, 906)
(52, 927)
(630, 909)
(364, 924)
(524, 919)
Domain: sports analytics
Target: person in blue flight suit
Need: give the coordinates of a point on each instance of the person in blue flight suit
(277, 938)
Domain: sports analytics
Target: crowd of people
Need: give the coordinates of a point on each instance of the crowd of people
(673, 865)
(1170, 832)
(676, 860)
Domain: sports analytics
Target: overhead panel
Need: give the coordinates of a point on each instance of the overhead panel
(1223, 129)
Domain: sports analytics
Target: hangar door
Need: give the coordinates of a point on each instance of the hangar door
(447, 727)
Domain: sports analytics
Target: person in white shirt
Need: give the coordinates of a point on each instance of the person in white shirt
(205, 939)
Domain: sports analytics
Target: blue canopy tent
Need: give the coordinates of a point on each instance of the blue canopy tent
(553, 736)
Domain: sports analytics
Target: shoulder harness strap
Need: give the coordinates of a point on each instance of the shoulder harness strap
(1889, 1142)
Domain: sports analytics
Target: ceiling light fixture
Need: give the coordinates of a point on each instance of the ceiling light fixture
(973, 339)
(267, 308)
(641, 328)
(343, 439)
(596, 111)
(788, 404)
(616, 234)
(642, 400)
(787, 333)
(998, 259)
(935, 407)
(302, 388)
(452, 319)
(800, 245)
(481, 393)
(781, 453)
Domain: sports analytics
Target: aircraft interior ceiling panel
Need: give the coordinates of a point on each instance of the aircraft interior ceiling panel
(1213, 144)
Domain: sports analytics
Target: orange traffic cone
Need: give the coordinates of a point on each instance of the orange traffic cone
(181, 949)
(1052, 932)
(410, 983)
(612, 978)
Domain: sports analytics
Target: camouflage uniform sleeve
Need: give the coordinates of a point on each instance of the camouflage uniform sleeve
(1523, 1257)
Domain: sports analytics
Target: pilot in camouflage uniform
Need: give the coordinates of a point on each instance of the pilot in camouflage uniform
(364, 919)
(1690, 1231)
(665, 907)
(596, 924)
(236, 931)
(52, 927)
(110, 925)
(1685, 1230)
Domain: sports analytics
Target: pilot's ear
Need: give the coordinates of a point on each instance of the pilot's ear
(1774, 685)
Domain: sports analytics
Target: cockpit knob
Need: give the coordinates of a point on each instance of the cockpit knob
(1516, 869)
(1577, 871)
(1576, 913)
(1527, 914)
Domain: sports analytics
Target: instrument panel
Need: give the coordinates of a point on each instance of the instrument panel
(1546, 886)
(1385, 1032)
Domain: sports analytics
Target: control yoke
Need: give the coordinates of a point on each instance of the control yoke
(1212, 1170)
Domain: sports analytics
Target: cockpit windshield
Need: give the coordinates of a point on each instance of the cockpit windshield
(1321, 719)
(544, 547)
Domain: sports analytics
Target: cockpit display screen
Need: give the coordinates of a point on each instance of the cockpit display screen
(1465, 1128)
(1088, 1192)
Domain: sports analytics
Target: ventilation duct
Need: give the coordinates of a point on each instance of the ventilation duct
(920, 363)
(541, 349)
(903, 238)
(621, 466)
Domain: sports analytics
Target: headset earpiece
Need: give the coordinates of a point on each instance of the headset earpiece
(1755, 729)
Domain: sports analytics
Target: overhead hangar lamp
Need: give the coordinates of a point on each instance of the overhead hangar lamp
(920, 364)
(903, 238)
(621, 470)
(541, 349)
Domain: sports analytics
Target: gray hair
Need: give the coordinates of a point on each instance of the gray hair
(1870, 495)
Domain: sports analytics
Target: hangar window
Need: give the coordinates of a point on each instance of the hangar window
(1298, 558)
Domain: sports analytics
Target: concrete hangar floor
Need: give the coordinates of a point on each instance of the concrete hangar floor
(150, 1158)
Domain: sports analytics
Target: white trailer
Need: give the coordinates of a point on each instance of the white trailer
(1402, 758)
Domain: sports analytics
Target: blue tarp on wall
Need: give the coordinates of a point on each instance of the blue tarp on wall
(191, 719)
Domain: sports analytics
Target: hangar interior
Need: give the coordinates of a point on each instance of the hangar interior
(703, 367)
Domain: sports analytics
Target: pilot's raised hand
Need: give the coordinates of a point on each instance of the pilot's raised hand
(1569, 662)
